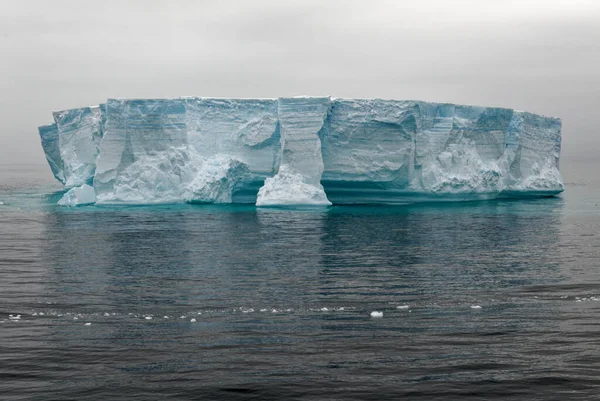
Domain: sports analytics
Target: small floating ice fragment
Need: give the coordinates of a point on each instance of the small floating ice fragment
(106, 314)
(402, 307)
(263, 310)
(182, 317)
(17, 317)
(475, 307)
(148, 318)
(192, 320)
(88, 324)
(376, 314)
(165, 317)
(324, 309)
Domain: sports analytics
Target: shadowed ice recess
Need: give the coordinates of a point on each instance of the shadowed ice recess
(299, 151)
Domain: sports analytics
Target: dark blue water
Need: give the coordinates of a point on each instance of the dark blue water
(282, 299)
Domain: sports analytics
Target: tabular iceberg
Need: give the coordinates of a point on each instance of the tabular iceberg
(300, 151)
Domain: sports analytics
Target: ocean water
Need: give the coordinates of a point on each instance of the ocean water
(480, 300)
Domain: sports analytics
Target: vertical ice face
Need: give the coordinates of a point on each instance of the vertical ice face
(79, 135)
(51, 145)
(144, 157)
(245, 129)
(301, 119)
(476, 152)
(368, 149)
(298, 180)
(534, 143)
(459, 149)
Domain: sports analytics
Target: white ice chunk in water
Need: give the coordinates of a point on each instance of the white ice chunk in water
(376, 314)
(83, 195)
(475, 306)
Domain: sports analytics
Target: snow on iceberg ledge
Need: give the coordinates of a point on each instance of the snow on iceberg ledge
(301, 151)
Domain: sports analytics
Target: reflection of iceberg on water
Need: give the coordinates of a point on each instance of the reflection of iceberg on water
(299, 151)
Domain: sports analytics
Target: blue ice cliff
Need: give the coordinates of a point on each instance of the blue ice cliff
(299, 151)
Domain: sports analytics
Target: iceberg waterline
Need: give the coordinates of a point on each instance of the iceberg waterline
(300, 151)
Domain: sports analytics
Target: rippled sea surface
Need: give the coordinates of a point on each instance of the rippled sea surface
(480, 300)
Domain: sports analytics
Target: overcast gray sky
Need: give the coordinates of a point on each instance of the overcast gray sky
(539, 56)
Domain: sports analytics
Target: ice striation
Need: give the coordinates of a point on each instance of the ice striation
(299, 151)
